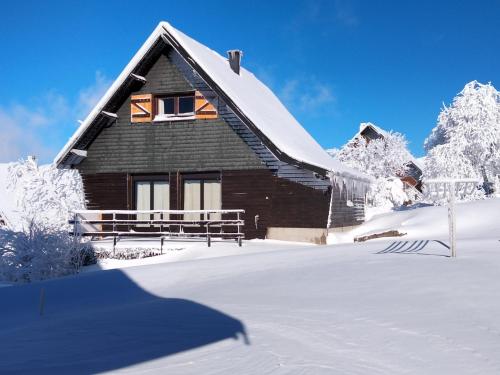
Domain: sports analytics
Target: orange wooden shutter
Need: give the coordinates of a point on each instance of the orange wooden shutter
(203, 109)
(141, 108)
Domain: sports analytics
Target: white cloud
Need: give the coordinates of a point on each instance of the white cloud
(89, 96)
(36, 126)
(307, 96)
(18, 135)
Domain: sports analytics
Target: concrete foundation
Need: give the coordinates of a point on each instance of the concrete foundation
(312, 235)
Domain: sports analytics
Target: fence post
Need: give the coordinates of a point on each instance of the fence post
(208, 229)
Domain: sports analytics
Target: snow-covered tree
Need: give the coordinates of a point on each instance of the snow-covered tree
(38, 246)
(466, 138)
(386, 160)
(40, 253)
(383, 157)
(45, 194)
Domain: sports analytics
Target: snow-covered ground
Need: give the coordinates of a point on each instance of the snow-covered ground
(277, 308)
(176, 251)
(316, 310)
(272, 307)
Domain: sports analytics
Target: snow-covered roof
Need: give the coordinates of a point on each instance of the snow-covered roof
(378, 129)
(254, 99)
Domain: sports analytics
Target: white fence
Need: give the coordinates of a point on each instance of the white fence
(165, 224)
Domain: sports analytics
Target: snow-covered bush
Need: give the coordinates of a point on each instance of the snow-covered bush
(466, 138)
(384, 159)
(39, 253)
(44, 194)
(387, 192)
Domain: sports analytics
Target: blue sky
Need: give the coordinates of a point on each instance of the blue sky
(334, 63)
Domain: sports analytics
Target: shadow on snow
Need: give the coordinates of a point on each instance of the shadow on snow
(98, 322)
(415, 247)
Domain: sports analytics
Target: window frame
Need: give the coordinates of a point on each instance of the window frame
(151, 179)
(176, 115)
(202, 177)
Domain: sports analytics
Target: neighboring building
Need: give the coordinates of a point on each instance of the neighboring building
(413, 173)
(184, 128)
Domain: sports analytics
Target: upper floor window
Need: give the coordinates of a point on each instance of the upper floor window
(170, 107)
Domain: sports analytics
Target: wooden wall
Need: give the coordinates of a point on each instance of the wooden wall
(105, 191)
(276, 201)
(150, 147)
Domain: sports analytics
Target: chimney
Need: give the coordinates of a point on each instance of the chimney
(234, 57)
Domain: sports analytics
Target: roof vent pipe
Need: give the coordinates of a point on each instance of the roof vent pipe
(234, 56)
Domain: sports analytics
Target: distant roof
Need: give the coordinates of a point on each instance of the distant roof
(254, 99)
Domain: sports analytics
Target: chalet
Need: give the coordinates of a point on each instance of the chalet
(184, 128)
(412, 177)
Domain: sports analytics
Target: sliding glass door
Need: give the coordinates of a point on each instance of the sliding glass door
(202, 194)
(152, 194)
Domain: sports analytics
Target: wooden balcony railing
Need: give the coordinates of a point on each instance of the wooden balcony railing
(165, 224)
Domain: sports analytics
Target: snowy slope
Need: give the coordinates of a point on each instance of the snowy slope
(316, 310)
(477, 219)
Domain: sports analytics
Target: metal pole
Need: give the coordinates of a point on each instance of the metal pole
(452, 218)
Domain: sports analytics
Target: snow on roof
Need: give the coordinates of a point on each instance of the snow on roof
(379, 130)
(255, 100)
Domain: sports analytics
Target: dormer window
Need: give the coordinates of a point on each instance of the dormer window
(172, 107)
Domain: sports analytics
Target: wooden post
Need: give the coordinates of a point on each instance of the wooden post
(452, 218)
(42, 301)
(161, 245)
(208, 229)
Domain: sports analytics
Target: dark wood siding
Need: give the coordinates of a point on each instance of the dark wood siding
(278, 202)
(106, 191)
(344, 215)
(188, 145)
